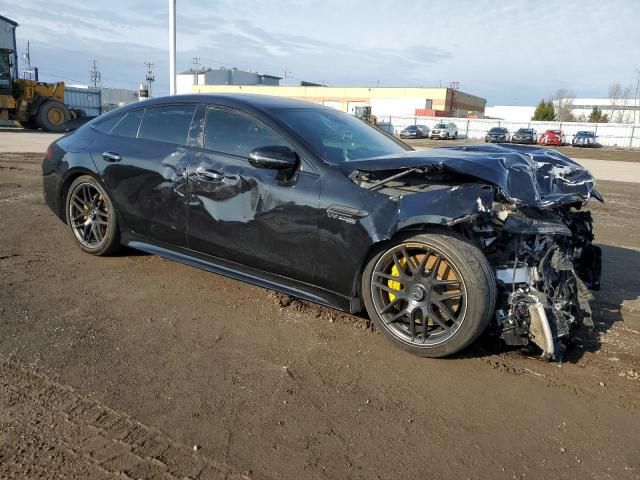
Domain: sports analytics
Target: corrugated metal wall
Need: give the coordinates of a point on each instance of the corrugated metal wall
(87, 99)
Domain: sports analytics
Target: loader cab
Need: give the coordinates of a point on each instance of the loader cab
(6, 71)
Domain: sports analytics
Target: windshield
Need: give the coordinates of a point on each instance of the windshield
(496, 130)
(440, 125)
(411, 128)
(337, 136)
(525, 130)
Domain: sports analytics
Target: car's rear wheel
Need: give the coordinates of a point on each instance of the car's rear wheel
(430, 294)
(91, 217)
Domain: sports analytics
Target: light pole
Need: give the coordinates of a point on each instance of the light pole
(172, 47)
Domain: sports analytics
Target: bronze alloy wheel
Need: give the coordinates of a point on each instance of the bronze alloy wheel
(419, 294)
(88, 215)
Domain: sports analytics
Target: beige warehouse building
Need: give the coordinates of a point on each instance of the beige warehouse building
(384, 101)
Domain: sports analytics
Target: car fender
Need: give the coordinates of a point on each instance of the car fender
(443, 206)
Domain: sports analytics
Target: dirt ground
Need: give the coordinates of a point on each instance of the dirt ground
(137, 367)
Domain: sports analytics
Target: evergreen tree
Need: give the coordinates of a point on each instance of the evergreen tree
(597, 116)
(544, 111)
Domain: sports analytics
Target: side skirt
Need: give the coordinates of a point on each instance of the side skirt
(246, 274)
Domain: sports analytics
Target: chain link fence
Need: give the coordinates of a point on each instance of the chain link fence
(608, 134)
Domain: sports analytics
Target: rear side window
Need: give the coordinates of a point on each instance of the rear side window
(128, 126)
(105, 126)
(235, 134)
(169, 124)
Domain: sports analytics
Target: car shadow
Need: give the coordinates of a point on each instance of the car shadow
(619, 284)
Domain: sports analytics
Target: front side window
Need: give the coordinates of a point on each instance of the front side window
(128, 126)
(235, 134)
(168, 124)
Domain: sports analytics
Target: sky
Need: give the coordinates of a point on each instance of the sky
(510, 52)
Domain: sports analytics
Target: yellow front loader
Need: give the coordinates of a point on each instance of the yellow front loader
(34, 104)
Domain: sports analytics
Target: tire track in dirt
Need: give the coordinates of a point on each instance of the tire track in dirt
(48, 430)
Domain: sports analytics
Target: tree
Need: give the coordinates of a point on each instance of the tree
(544, 111)
(618, 95)
(597, 116)
(563, 104)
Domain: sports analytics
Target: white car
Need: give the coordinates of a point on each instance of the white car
(444, 131)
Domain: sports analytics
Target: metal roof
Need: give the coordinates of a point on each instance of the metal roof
(8, 20)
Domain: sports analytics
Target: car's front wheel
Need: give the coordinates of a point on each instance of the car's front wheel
(91, 217)
(430, 294)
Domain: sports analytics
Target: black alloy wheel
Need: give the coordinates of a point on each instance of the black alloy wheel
(430, 294)
(91, 217)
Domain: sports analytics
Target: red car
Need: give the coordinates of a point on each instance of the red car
(552, 137)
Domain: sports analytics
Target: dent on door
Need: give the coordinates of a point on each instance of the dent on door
(258, 217)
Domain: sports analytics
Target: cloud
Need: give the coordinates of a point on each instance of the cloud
(515, 52)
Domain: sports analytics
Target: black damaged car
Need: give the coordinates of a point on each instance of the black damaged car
(497, 135)
(525, 135)
(438, 245)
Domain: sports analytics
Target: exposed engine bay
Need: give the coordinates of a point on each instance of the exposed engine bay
(524, 208)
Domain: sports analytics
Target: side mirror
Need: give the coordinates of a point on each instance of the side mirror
(275, 158)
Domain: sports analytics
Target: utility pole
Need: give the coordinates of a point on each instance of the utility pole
(636, 112)
(287, 74)
(150, 77)
(172, 47)
(196, 68)
(94, 75)
(27, 56)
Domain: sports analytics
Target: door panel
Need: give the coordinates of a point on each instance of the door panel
(265, 219)
(148, 186)
(147, 176)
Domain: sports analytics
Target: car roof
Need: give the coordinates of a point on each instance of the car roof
(239, 100)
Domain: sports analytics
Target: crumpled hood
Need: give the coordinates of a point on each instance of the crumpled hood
(526, 176)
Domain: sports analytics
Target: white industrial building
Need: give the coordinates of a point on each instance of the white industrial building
(620, 111)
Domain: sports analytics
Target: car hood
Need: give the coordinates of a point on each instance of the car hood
(526, 176)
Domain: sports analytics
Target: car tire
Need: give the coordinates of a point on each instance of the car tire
(97, 231)
(446, 137)
(462, 266)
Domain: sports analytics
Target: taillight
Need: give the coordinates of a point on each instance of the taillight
(49, 153)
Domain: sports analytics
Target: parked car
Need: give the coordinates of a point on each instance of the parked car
(310, 201)
(552, 137)
(444, 131)
(498, 135)
(525, 135)
(584, 139)
(415, 131)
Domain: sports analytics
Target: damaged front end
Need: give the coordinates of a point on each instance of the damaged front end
(545, 265)
(523, 207)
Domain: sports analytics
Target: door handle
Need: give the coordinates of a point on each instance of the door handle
(210, 175)
(111, 156)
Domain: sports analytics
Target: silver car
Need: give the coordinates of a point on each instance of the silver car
(444, 131)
